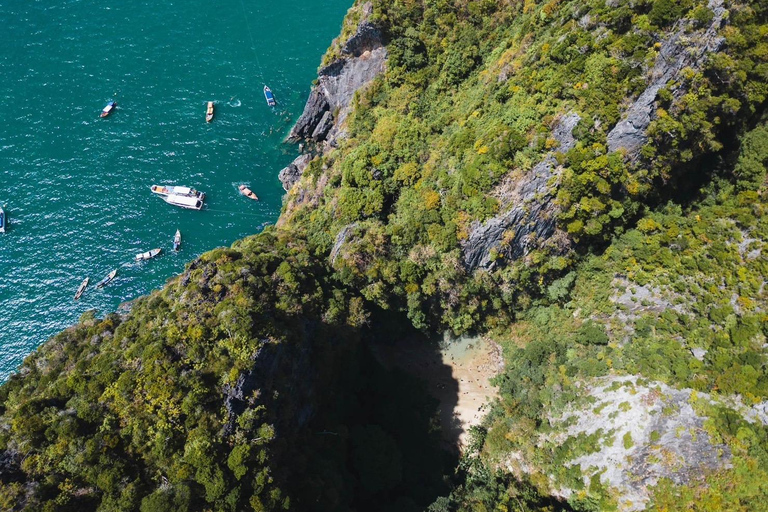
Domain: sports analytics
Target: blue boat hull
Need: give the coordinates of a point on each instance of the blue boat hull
(270, 97)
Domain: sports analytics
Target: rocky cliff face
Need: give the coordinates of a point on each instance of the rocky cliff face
(363, 58)
(528, 218)
(292, 172)
(644, 432)
(684, 48)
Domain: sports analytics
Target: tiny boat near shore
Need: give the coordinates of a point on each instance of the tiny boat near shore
(248, 192)
(177, 240)
(270, 97)
(108, 109)
(81, 288)
(209, 113)
(2, 220)
(148, 255)
(176, 190)
(104, 282)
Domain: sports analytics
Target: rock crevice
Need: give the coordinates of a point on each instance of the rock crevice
(679, 51)
(363, 58)
(290, 174)
(529, 217)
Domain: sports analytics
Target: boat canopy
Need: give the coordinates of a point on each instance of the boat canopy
(189, 202)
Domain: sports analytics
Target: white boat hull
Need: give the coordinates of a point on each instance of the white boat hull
(190, 203)
(175, 190)
(148, 255)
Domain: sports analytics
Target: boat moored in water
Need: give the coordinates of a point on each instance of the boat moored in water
(81, 288)
(167, 190)
(188, 202)
(248, 192)
(177, 240)
(148, 255)
(270, 97)
(2, 220)
(108, 109)
(209, 113)
(104, 282)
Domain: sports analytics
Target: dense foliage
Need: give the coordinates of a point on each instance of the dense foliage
(222, 392)
(473, 90)
(247, 384)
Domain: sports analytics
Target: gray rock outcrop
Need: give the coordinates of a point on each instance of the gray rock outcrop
(680, 50)
(292, 172)
(366, 39)
(314, 110)
(341, 239)
(529, 217)
(363, 59)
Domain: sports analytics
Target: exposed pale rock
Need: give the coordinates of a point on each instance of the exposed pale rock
(364, 57)
(341, 239)
(667, 436)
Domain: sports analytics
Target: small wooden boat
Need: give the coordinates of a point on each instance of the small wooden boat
(82, 288)
(209, 113)
(270, 97)
(2, 220)
(177, 240)
(104, 282)
(108, 109)
(167, 190)
(248, 192)
(148, 255)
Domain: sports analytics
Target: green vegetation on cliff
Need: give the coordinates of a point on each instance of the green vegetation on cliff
(225, 391)
(473, 91)
(247, 384)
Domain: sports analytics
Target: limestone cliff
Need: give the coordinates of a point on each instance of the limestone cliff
(362, 59)
(528, 211)
(501, 168)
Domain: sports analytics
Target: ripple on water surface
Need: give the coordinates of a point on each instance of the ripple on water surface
(76, 187)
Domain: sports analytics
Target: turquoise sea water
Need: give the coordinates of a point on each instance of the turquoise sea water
(76, 187)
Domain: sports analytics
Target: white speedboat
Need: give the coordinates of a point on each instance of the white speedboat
(177, 240)
(2, 220)
(167, 190)
(148, 255)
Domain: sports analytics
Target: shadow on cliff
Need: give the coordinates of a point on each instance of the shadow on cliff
(374, 439)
